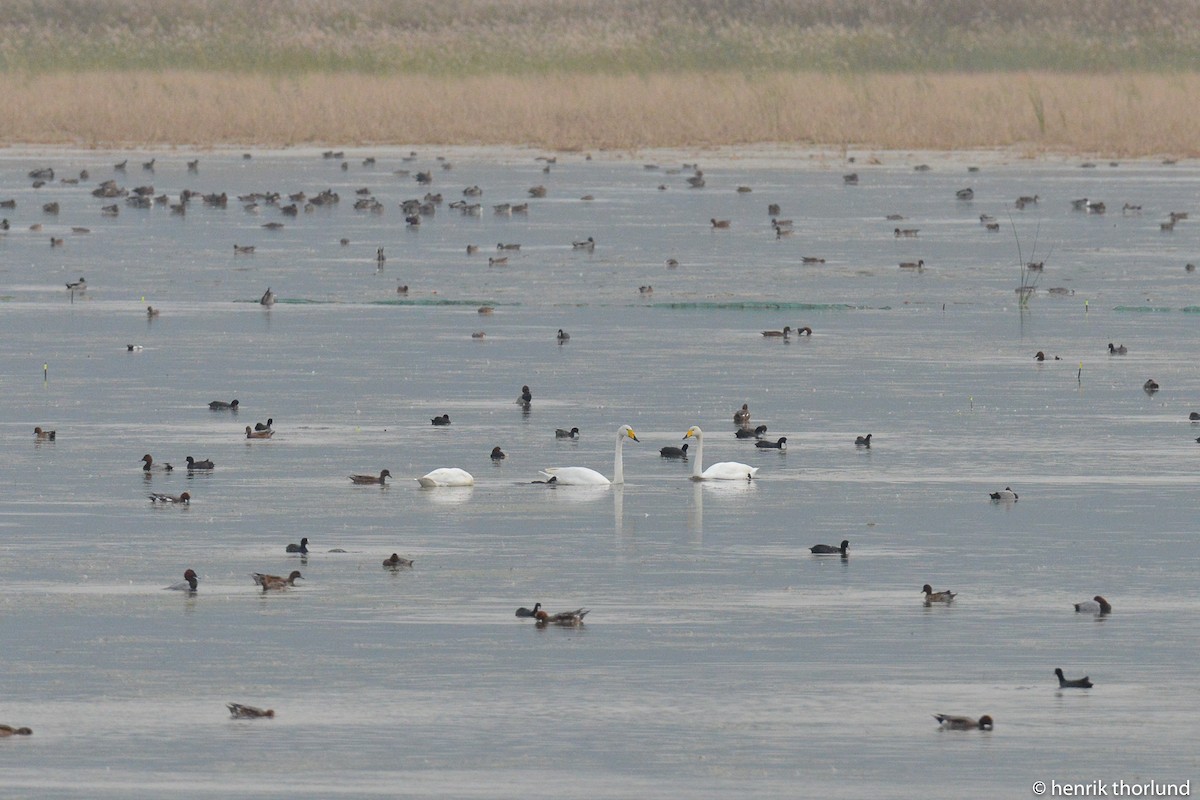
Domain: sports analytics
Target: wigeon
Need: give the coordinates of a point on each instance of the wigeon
(588, 244)
(395, 561)
(1077, 683)
(803, 330)
(240, 711)
(301, 548)
(365, 480)
(1004, 494)
(721, 223)
(1097, 605)
(148, 465)
(568, 618)
(38, 433)
(253, 434)
(193, 464)
(151, 312)
(783, 333)
(937, 597)
(742, 415)
(77, 286)
(953, 723)
(268, 582)
(170, 499)
(9, 730)
(563, 433)
(189, 583)
(221, 405)
(830, 550)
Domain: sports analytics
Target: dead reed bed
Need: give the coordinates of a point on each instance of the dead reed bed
(1123, 115)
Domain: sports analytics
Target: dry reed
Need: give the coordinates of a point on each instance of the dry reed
(1127, 115)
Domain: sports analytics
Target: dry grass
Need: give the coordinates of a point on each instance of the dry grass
(479, 37)
(1128, 115)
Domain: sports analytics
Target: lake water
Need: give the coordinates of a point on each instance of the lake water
(720, 658)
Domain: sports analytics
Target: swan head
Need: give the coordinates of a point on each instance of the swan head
(693, 433)
(626, 432)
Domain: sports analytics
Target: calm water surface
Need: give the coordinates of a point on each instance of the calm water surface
(720, 658)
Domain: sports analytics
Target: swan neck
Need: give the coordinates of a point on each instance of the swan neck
(618, 465)
(698, 464)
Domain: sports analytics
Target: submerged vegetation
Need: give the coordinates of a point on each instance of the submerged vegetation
(474, 37)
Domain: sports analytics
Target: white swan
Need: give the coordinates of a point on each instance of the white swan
(582, 476)
(447, 476)
(722, 470)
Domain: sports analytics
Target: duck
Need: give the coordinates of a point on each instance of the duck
(563, 433)
(830, 550)
(301, 548)
(1194, 416)
(241, 711)
(1117, 351)
(562, 335)
(243, 249)
(364, 480)
(742, 415)
(583, 476)
(1097, 605)
(148, 465)
(778, 445)
(804, 330)
(189, 584)
(720, 223)
(264, 426)
(526, 397)
(783, 333)
(268, 298)
(221, 405)
(910, 233)
(9, 730)
(193, 464)
(38, 433)
(152, 312)
(253, 434)
(1041, 356)
(863, 441)
(918, 264)
(952, 723)
(566, 618)
(1077, 683)
(1004, 494)
(77, 286)
(394, 561)
(274, 581)
(1150, 386)
(674, 452)
(498, 454)
(588, 244)
(446, 476)
(937, 597)
(529, 612)
(747, 433)
(722, 470)
(444, 419)
(170, 499)
(497, 262)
